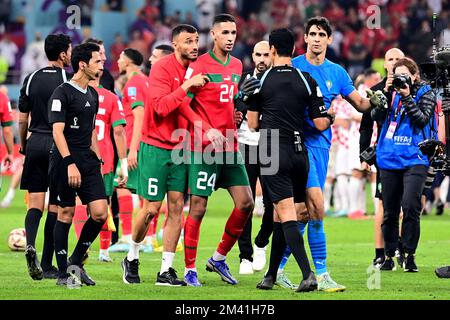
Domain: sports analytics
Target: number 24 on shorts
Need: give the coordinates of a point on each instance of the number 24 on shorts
(203, 181)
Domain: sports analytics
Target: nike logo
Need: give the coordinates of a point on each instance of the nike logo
(176, 79)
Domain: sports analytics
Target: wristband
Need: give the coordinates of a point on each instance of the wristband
(331, 118)
(124, 166)
(67, 161)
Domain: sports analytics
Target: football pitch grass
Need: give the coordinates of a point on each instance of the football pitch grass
(350, 252)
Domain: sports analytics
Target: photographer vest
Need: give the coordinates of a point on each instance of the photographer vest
(398, 146)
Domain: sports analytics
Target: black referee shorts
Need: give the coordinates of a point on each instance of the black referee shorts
(290, 179)
(92, 187)
(35, 176)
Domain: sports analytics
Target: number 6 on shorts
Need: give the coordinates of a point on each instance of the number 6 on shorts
(152, 188)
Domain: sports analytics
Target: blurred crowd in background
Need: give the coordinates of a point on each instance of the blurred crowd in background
(358, 42)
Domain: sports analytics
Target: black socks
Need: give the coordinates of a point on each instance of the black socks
(49, 242)
(89, 233)
(295, 242)
(32, 220)
(61, 235)
(277, 250)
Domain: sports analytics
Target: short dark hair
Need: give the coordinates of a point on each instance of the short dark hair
(224, 17)
(94, 40)
(283, 40)
(55, 44)
(320, 22)
(165, 48)
(369, 72)
(83, 52)
(134, 55)
(183, 28)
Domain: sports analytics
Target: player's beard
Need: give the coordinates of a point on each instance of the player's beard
(261, 67)
(189, 56)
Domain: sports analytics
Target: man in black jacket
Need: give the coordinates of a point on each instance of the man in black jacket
(366, 131)
(248, 145)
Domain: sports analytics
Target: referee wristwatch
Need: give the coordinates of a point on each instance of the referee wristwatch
(331, 118)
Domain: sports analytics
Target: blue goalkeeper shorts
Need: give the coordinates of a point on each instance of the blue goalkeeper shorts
(318, 165)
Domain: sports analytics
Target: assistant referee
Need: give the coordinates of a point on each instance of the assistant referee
(285, 94)
(34, 95)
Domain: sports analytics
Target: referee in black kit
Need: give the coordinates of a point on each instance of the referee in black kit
(285, 94)
(75, 164)
(34, 96)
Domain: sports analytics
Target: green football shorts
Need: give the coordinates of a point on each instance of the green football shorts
(158, 174)
(205, 177)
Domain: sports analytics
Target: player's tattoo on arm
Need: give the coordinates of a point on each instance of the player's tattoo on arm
(23, 129)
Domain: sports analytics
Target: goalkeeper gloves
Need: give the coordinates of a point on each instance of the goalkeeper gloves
(377, 99)
(249, 87)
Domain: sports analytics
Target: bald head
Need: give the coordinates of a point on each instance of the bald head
(391, 57)
(261, 56)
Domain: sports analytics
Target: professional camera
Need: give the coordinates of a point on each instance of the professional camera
(431, 148)
(437, 72)
(400, 81)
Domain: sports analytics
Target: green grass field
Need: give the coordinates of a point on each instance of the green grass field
(350, 251)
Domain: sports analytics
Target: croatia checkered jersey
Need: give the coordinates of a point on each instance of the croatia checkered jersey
(214, 102)
(134, 95)
(6, 117)
(110, 115)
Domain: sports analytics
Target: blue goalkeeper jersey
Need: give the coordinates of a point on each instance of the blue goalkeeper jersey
(332, 80)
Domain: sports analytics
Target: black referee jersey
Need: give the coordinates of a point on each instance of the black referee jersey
(35, 93)
(286, 96)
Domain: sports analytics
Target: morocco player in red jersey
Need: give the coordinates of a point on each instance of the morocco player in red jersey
(6, 120)
(214, 102)
(159, 171)
(133, 101)
(110, 115)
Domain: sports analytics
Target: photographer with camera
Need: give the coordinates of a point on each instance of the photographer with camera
(408, 121)
(367, 152)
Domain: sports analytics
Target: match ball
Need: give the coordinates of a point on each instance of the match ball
(17, 240)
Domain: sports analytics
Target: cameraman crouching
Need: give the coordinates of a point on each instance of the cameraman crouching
(407, 122)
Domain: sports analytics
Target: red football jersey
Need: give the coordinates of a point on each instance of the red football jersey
(6, 117)
(110, 114)
(134, 95)
(214, 102)
(162, 116)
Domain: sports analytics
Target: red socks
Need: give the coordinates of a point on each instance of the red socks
(79, 219)
(233, 230)
(126, 214)
(191, 237)
(105, 237)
